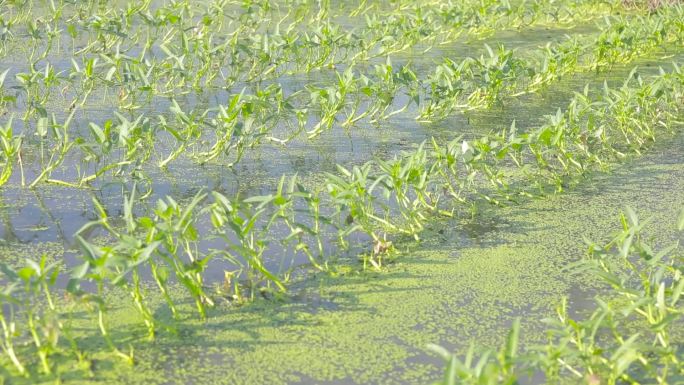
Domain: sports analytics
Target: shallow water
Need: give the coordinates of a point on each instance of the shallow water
(463, 283)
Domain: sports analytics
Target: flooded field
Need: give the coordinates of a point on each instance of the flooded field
(357, 192)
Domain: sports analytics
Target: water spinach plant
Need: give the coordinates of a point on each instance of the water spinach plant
(99, 98)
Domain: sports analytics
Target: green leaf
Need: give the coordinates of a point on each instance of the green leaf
(512, 341)
(42, 127)
(97, 132)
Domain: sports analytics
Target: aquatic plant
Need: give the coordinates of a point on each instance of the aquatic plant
(11, 151)
(144, 76)
(220, 72)
(29, 312)
(241, 217)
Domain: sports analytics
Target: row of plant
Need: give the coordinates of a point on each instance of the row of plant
(182, 54)
(265, 36)
(262, 236)
(138, 78)
(126, 145)
(633, 336)
(476, 83)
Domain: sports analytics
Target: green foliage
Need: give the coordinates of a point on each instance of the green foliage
(142, 53)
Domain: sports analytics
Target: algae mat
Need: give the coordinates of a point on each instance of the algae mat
(465, 283)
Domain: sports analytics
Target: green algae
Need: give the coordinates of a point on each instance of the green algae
(15, 255)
